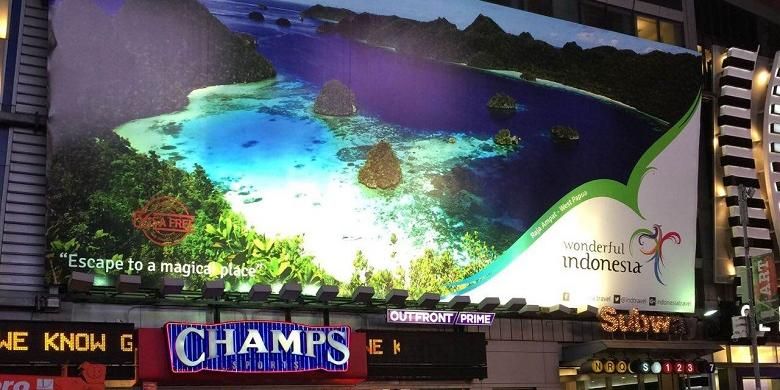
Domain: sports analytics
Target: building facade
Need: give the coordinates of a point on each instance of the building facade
(48, 101)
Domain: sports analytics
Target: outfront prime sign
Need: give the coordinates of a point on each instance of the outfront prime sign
(257, 346)
(436, 317)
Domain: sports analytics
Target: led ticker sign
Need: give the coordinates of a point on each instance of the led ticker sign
(664, 366)
(426, 355)
(63, 342)
(257, 346)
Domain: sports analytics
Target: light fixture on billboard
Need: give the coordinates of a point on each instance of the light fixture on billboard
(363, 294)
(259, 292)
(428, 300)
(290, 291)
(489, 304)
(397, 297)
(327, 293)
(710, 313)
(459, 302)
(529, 309)
(80, 282)
(128, 284)
(171, 285)
(214, 289)
(515, 304)
(587, 311)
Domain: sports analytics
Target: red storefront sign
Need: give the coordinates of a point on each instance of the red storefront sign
(93, 379)
(154, 365)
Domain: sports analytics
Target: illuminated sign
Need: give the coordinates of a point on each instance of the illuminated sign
(426, 355)
(765, 288)
(436, 317)
(257, 346)
(61, 342)
(665, 366)
(251, 165)
(634, 322)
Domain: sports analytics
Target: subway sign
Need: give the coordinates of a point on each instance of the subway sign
(66, 342)
(257, 346)
(663, 366)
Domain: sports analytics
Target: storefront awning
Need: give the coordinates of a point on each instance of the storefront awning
(577, 354)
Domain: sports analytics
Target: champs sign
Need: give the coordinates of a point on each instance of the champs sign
(257, 346)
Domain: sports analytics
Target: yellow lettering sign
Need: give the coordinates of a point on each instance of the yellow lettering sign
(50, 341)
(14, 341)
(95, 345)
(634, 322)
(375, 347)
(596, 366)
(609, 366)
(396, 347)
(126, 342)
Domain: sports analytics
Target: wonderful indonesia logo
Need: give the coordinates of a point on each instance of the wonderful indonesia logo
(651, 243)
(610, 256)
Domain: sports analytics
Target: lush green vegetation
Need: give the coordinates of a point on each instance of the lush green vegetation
(91, 211)
(434, 271)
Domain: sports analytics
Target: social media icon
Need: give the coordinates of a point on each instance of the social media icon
(616, 298)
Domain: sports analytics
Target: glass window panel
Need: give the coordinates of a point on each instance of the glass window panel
(647, 28)
(671, 33)
(674, 4)
(766, 354)
(566, 10)
(721, 356)
(740, 354)
(541, 7)
(593, 14)
(506, 3)
(620, 20)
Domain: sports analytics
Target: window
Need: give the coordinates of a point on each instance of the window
(673, 4)
(593, 14)
(505, 3)
(620, 20)
(607, 17)
(566, 10)
(541, 7)
(3, 34)
(647, 28)
(671, 33)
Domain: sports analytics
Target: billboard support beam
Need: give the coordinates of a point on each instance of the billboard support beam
(744, 194)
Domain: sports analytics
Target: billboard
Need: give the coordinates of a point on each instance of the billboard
(457, 148)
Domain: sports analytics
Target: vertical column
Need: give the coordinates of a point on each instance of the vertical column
(736, 153)
(771, 138)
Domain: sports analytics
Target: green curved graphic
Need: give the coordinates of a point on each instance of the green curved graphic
(627, 194)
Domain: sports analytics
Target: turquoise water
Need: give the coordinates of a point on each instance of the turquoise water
(290, 172)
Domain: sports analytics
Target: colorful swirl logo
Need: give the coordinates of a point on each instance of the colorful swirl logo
(651, 243)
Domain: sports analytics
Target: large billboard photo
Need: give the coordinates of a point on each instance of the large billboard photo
(456, 147)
